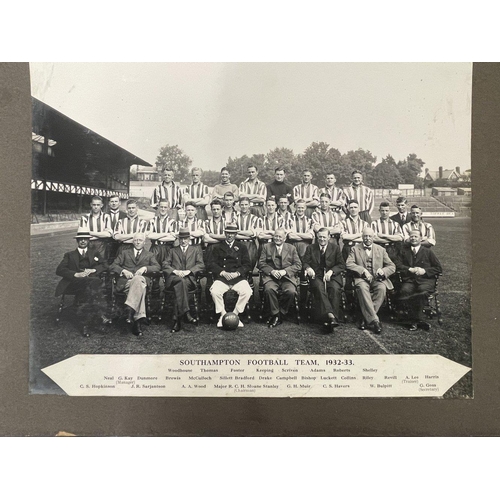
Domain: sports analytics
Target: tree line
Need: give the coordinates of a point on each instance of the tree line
(320, 158)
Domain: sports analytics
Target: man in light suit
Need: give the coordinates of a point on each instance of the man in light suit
(324, 265)
(131, 265)
(279, 263)
(371, 267)
(419, 267)
(80, 271)
(180, 268)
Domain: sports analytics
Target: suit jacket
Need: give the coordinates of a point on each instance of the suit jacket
(70, 265)
(174, 262)
(223, 258)
(357, 262)
(126, 260)
(333, 259)
(425, 259)
(397, 218)
(289, 262)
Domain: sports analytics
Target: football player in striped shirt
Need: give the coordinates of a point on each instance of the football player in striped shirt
(170, 191)
(132, 224)
(325, 217)
(115, 215)
(248, 227)
(255, 190)
(302, 233)
(353, 226)
(337, 195)
(417, 224)
(284, 213)
(161, 232)
(387, 231)
(198, 194)
(269, 223)
(228, 209)
(99, 226)
(307, 192)
(363, 194)
(191, 222)
(301, 236)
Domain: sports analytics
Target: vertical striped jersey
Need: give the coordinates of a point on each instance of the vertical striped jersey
(336, 194)
(172, 194)
(387, 226)
(160, 225)
(363, 195)
(325, 219)
(247, 187)
(98, 224)
(131, 226)
(426, 231)
(215, 227)
(352, 226)
(302, 224)
(247, 222)
(305, 192)
(271, 224)
(287, 218)
(195, 191)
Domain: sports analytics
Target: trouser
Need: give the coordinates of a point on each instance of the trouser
(136, 296)
(181, 287)
(280, 305)
(371, 296)
(219, 288)
(328, 302)
(415, 296)
(90, 299)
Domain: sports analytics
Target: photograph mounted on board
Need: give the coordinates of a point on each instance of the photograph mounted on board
(251, 229)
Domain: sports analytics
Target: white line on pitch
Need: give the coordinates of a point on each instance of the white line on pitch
(377, 342)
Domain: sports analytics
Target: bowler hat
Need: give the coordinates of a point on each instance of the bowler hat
(184, 233)
(231, 228)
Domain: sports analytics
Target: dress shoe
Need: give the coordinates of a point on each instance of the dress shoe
(137, 328)
(332, 321)
(85, 331)
(413, 327)
(240, 324)
(130, 315)
(105, 320)
(274, 321)
(219, 323)
(190, 319)
(362, 325)
(177, 326)
(376, 327)
(424, 325)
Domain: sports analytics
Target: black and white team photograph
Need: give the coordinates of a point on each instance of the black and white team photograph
(250, 208)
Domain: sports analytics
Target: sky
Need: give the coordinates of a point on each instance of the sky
(214, 111)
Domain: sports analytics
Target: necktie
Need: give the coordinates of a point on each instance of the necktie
(323, 250)
(414, 251)
(137, 253)
(403, 217)
(84, 253)
(279, 250)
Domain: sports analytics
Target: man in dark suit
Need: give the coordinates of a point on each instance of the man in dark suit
(131, 265)
(80, 271)
(279, 263)
(229, 262)
(180, 268)
(324, 264)
(403, 216)
(371, 267)
(419, 267)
